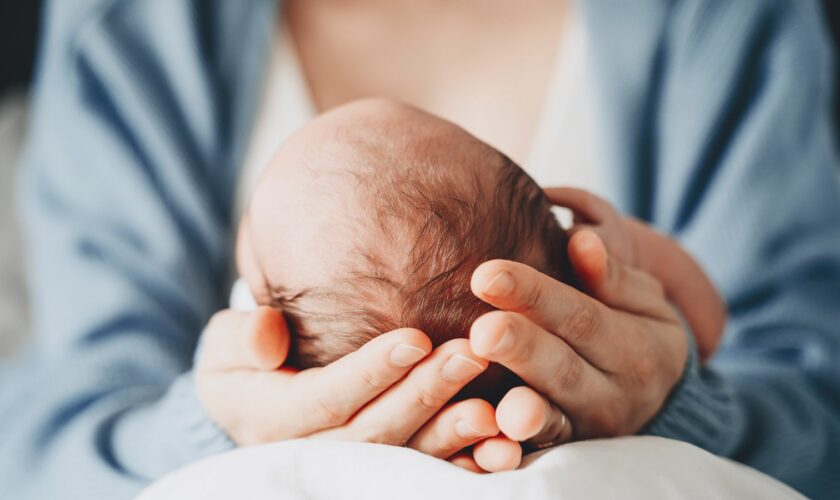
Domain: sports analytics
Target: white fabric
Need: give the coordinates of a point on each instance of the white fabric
(241, 298)
(285, 106)
(563, 149)
(633, 468)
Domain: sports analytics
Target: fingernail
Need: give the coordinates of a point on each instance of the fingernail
(460, 369)
(500, 285)
(465, 430)
(505, 343)
(405, 355)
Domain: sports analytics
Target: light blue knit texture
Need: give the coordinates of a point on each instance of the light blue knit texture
(713, 119)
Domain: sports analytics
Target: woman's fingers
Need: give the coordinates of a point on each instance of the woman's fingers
(402, 410)
(527, 416)
(581, 321)
(252, 402)
(456, 427)
(543, 360)
(466, 461)
(586, 206)
(614, 283)
(234, 340)
(497, 454)
(336, 392)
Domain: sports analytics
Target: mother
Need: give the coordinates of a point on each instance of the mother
(712, 124)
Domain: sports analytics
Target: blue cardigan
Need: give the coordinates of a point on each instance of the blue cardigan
(715, 124)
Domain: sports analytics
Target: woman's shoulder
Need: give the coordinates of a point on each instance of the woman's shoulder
(162, 28)
(747, 29)
(181, 69)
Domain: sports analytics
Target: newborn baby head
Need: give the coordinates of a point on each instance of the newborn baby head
(374, 216)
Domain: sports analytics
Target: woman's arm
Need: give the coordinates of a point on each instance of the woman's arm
(641, 247)
(128, 248)
(759, 208)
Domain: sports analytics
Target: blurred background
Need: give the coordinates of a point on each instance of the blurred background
(19, 22)
(19, 25)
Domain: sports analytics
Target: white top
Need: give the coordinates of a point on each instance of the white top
(285, 106)
(562, 149)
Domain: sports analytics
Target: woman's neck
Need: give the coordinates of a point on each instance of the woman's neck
(483, 65)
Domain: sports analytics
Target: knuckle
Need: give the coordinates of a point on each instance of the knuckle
(523, 351)
(441, 442)
(643, 371)
(374, 381)
(322, 414)
(428, 400)
(570, 374)
(533, 298)
(582, 324)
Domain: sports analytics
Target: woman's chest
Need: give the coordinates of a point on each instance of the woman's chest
(486, 67)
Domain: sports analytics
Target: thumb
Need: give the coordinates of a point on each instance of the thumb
(589, 258)
(613, 282)
(234, 340)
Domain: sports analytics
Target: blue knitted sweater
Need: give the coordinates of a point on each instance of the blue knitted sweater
(715, 128)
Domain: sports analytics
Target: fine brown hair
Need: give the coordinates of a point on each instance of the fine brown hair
(427, 230)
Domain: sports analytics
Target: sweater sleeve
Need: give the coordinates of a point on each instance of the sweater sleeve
(128, 237)
(750, 186)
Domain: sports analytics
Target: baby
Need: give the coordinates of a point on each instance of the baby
(374, 216)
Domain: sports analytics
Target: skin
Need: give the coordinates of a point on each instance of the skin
(640, 246)
(293, 238)
(242, 361)
(596, 366)
(506, 53)
(484, 66)
(243, 353)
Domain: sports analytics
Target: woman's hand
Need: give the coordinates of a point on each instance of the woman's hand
(595, 366)
(393, 390)
(639, 246)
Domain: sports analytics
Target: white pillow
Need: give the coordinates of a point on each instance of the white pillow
(628, 468)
